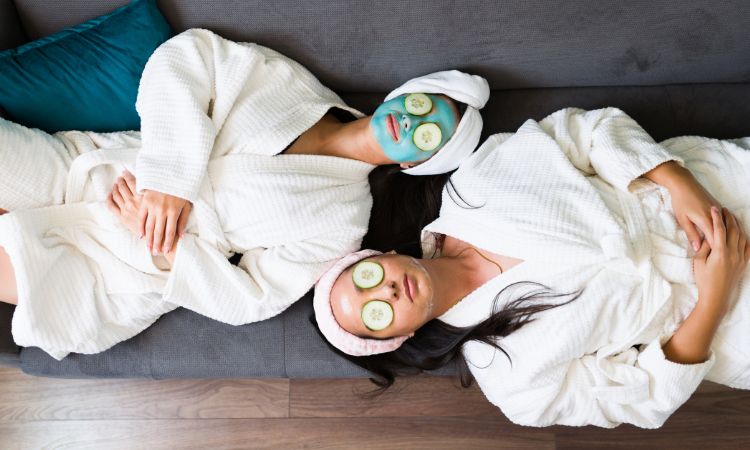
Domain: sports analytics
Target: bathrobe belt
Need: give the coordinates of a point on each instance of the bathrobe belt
(633, 253)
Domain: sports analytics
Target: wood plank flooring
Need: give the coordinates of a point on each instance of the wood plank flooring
(421, 413)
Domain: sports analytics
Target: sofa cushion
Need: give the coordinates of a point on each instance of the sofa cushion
(181, 344)
(85, 77)
(374, 46)
(8, 348)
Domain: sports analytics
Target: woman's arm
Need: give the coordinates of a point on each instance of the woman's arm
(265, 282)
(718, 269)
(691, 343)
(606, 142)
(186, 91)
(691, 202)
(609, 143)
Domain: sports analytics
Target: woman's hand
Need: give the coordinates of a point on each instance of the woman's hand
(128, 206)
(718, 267)
(691, 202)
(161, 218)
(124, 203)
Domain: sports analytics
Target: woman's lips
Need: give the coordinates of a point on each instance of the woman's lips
(393, 128)
(407, 288)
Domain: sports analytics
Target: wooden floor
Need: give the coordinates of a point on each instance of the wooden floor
(423, 413)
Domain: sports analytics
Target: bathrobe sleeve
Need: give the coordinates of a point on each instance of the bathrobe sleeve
(262, 285)
(186, 92)
(639, 386)
(606, 142)
(575, 392)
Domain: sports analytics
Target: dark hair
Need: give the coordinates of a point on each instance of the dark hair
(402, 206)
(437, 344)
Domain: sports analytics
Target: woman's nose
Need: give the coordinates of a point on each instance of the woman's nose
(391, 290)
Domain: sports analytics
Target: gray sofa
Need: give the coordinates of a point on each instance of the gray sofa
(677, 67)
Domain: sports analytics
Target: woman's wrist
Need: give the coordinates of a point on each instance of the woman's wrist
(712, 304)
(668, 174)
(691, 343)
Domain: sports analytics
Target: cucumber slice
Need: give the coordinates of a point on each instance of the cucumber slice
(427, 137)
(367, 274)
(418, 104)
(377, 314)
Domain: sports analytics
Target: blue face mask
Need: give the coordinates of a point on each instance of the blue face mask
(405, 123)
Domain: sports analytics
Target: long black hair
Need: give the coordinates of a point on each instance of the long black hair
(437, 344)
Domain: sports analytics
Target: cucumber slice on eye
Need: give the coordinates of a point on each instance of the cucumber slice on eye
(418, 104)
(367, 274)
(427, 137)
(377, 314)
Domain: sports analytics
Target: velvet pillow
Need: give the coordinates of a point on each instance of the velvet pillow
(85, 77)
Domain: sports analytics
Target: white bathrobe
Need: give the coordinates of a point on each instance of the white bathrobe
(215, 116)
(565, 196)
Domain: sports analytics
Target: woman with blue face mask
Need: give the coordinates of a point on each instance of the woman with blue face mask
(411, 128)
(242, 152)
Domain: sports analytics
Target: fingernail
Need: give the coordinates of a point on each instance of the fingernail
(166, 249)
(696, 246)
(714, 209)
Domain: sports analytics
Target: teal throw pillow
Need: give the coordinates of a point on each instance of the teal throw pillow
(85, 77)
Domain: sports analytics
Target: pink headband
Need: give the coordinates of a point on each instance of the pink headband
(337, 336)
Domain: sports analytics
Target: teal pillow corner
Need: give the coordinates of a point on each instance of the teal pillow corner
(85, 77)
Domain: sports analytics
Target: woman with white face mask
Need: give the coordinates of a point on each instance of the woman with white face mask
(579, 271)
(242, 152)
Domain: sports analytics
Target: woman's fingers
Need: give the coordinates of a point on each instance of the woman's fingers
(124, 189)
(719, 238)
(705, 224)
(703, 251)
(142, 221)
(111, 205)
(149, 231)
(159, 224)
(170, 232)
(733, 233)
(692, 233)
(117, 197)
(182, 221)
(130, 181)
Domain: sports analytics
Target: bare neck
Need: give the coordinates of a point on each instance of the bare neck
(453, 278)
(352, 140)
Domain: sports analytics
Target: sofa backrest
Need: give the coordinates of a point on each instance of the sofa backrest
(372, 46)
(11, 34)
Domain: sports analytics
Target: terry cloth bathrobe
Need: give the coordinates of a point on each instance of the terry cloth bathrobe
(215, 116)
(565, 196)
